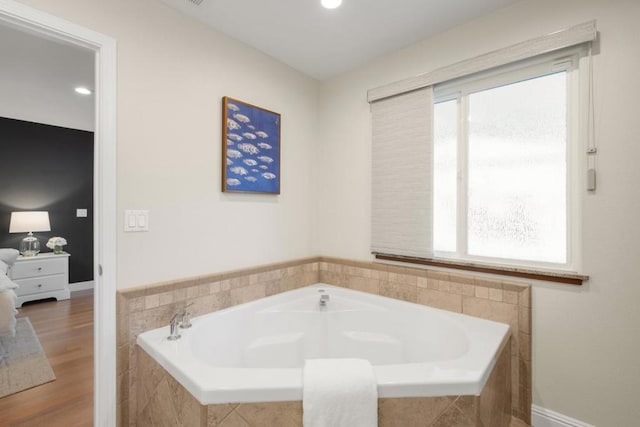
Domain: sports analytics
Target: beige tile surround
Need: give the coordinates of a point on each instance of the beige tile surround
(148, 307)
(161, 400)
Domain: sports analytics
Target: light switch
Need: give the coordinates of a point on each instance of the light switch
(128, 225)
(142, 221)
(81, 213)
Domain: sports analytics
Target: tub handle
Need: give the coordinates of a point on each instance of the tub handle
(185, 317)
(174, 334)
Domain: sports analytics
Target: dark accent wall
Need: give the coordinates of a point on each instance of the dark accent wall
(49, 168)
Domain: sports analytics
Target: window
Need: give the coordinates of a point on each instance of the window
(504, 164)
(479, 165)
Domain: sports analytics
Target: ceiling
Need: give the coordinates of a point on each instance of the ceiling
(324, 43)
(38, 77)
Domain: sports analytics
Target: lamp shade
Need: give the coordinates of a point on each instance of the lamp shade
(25, 222)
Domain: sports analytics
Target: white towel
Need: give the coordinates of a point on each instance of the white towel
(339, 393)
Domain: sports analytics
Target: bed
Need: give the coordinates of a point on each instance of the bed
(7, 293)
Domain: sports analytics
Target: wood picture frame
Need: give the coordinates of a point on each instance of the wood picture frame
(250, 148)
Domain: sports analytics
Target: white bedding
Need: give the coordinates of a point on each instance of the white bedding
(6, 284)
(7, 295)
(8, 313)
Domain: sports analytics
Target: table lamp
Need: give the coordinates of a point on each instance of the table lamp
(28, 222)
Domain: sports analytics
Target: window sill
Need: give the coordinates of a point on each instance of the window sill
(566, 277)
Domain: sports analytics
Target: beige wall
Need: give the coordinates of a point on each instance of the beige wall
(586, 342)
(172, 74)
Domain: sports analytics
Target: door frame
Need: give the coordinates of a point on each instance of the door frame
(48, 26)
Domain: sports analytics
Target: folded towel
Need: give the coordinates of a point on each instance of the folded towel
(339, 393)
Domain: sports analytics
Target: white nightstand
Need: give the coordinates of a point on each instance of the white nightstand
(42, 276)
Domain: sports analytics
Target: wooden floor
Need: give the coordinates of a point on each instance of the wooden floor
(65, 330)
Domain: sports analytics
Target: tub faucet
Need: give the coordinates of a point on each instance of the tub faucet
(324, 299)
(185, 317)
(174, 333)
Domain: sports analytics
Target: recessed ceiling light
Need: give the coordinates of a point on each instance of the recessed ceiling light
(330, 4)
(83, 90)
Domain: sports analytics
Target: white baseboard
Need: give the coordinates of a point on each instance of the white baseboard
(81, 286)
(541, 417)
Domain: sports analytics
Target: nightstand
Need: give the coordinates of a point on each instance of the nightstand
(42, 276)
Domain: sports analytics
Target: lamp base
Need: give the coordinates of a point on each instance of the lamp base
(29, 246)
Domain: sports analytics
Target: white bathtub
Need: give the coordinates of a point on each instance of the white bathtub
(254, 352)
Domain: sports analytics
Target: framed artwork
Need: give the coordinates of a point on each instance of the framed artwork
(250, 148)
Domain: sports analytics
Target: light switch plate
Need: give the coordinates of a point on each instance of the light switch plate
(136, 220)
(81, 213)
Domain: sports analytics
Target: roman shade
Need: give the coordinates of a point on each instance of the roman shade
(579, 34)
(401, 169)
(402, 143)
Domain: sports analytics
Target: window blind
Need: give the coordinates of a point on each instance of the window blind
(401, 172)
(578, 34)
(402, 139)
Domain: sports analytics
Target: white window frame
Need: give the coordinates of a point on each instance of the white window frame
(574, 61)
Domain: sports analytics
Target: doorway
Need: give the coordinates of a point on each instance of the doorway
(27, 19)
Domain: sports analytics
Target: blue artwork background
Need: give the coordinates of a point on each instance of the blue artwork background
(252, 149)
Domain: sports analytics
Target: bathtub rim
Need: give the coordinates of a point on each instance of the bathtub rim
(237, 385)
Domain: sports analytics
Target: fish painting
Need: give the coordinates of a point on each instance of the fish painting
(250, 147)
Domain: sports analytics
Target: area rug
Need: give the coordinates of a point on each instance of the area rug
(23, 363)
